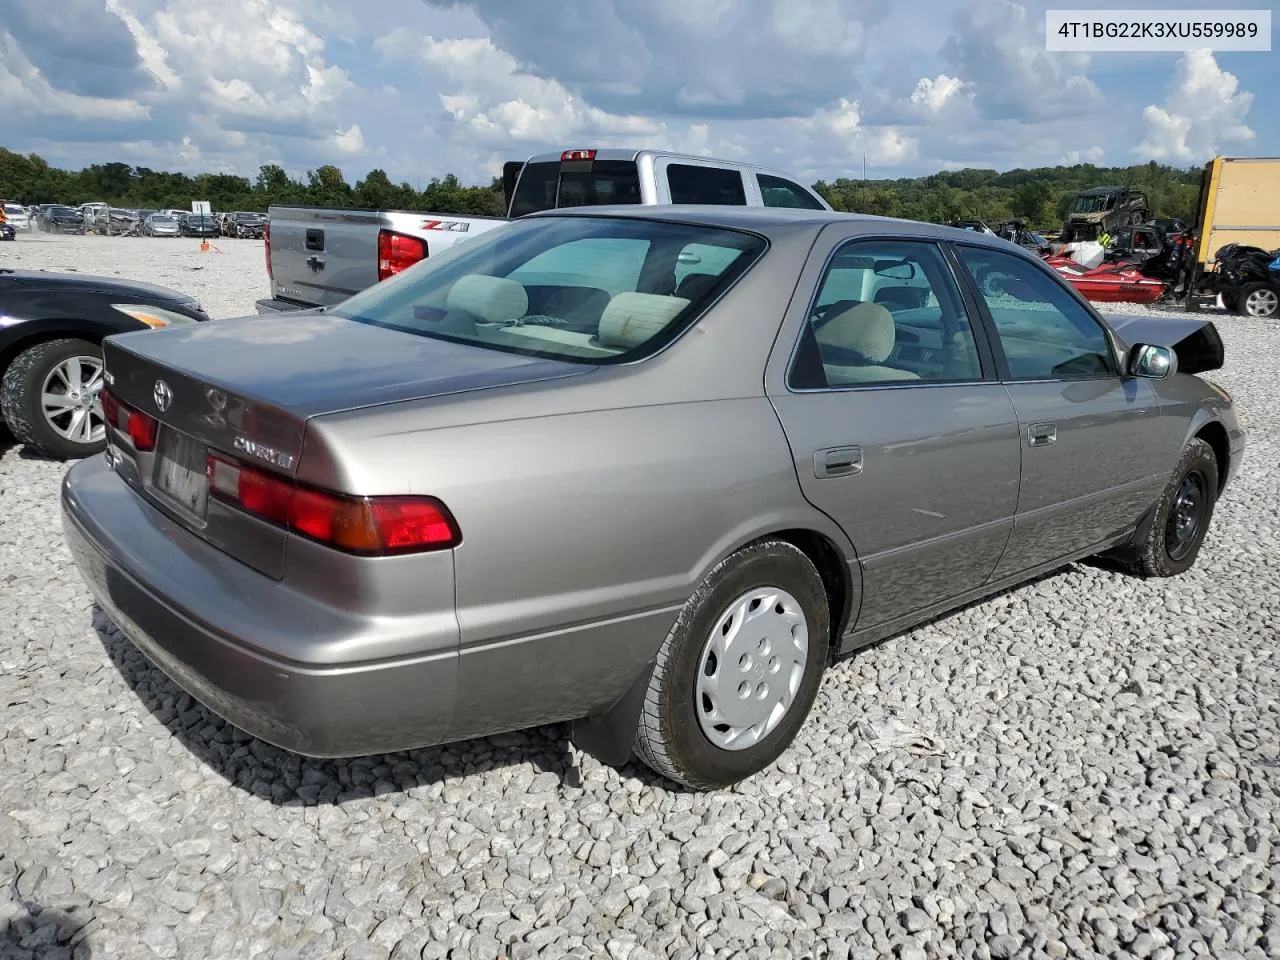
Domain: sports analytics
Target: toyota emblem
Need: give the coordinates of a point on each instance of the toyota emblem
(162, 395)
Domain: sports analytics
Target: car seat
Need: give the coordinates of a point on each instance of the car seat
(867, 332)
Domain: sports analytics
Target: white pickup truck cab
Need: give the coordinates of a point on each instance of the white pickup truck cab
(318, 256)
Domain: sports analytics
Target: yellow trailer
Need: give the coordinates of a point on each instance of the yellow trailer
(1239, 203)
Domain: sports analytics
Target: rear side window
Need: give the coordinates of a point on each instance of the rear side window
(575, 183)
(777, 192)
(714, 185)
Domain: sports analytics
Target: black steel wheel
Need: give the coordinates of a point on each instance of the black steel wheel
(1182, 516)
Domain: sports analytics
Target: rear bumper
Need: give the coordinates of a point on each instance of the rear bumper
(274, 305)
(196, 612)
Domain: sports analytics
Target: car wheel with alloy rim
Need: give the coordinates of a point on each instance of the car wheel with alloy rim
(1259, 300)
(49, 397)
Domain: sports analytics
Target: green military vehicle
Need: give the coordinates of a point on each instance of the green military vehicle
(1103, 210)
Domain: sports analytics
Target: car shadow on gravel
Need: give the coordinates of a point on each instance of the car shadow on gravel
(289, 779)
(44, 933)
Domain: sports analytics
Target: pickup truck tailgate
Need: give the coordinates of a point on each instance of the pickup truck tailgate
(322, 257)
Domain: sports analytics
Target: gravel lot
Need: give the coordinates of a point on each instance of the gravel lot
(1087, 766)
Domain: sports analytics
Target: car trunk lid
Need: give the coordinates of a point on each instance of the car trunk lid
(247, 387)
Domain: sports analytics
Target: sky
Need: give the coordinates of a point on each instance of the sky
(422, 88)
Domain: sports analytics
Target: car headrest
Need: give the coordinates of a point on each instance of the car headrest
(632, 318)
(492, 299)
(866, 328)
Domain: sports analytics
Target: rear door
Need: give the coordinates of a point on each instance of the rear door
(1093, 459)
(899, 429)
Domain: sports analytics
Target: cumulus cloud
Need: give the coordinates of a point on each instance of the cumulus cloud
(935, 93)
(806, 86)
(999, 49)
(1092, 155)
(498, 101)
(839, 129)
(246, 58)
(84, 49)
(349, 141)
(689, 58)
(1205, 107)
(25, 90)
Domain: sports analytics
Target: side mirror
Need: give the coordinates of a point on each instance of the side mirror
(1152, 362)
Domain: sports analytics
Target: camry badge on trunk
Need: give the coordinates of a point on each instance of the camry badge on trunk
(263, 452)
(162, 395)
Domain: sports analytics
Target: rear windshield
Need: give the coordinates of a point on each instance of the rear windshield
(586, 289)
(575, 183)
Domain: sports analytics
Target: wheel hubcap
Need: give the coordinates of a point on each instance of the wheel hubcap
(1186, 515)
(750, 668)
(1261, 303)
(70, 402)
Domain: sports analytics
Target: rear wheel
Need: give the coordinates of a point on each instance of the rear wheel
(49, 398)
(737, 674)
(1259, 300)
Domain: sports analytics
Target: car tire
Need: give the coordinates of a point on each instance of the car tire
(1259, 300)
(22, 389)
(769, 579)
(1167, 550)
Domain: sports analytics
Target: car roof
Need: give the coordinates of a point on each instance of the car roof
(767, 220)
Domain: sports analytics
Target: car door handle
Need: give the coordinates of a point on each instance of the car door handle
(1042, 434)
(837, 462)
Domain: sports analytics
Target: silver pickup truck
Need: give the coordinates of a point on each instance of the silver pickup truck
(318, 256)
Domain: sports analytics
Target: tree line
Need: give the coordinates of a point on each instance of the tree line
(1040, 196)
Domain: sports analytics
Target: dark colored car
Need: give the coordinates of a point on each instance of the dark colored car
(201, 225)
(51, 350)
(646, 469)
(245, 225)
(59, 219)
(1246, 281)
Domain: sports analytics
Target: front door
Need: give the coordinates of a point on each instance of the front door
(898, 427)
(1092, 457)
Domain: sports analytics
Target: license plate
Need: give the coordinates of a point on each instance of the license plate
(180, 471)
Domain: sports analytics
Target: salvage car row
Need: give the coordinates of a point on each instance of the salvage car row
(119, 221)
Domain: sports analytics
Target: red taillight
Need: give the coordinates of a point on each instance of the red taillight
(266, 245)
(110, 407)
(365, 525)
(140, 427)
(398, 251)
(578, 155)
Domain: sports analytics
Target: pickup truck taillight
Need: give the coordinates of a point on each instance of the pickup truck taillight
(398, 251)
(370, 526)
(266, 243)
